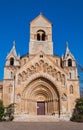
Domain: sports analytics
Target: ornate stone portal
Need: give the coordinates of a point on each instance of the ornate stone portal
(41, 83)
(40, 90)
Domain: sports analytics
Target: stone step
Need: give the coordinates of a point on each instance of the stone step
(39, 118)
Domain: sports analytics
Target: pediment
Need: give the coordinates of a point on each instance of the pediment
(12, 53)
(70, 57)
(40, 21)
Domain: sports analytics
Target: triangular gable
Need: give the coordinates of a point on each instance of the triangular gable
(37, 59)
(40, 20)
(12, 52)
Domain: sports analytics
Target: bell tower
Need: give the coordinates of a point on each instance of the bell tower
(40, 36)
(69, 62)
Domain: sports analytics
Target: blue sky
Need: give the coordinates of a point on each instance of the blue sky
(65, 15)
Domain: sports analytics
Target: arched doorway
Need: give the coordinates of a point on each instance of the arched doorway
(41, 97)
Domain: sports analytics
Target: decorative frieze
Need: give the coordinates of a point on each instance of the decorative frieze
(41, 66)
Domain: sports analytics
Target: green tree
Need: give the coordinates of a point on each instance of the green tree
(79, 106)
(78, 112)
(1, 110)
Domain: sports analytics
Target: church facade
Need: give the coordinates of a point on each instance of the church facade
(41, 83)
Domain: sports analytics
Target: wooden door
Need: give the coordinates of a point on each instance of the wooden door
(40, 108)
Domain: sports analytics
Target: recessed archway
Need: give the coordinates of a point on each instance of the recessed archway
(41, 91)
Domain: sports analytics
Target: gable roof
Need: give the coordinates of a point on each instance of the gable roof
(40, 15)
(13, 51)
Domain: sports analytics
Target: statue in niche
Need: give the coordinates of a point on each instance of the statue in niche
(10, 88)
(19, 78)
(58, 77)
(41, 64)
(18, 97)
(49, 70)
(64, 97)
(28, 72)
(37, 67)
(71, 89)
(63, 79)
(23, 75)
(54, 72)
(45, 67)
(33, 69)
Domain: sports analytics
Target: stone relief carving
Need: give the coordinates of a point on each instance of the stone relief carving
(44, 67)
(19, 78)
(63, 79)
(18, 97)
(10, 88)
(64, 97)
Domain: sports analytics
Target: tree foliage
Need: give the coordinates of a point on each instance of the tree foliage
(79, 105)
(10, 109)
(78, 111)
(6, 113)
(1, 110)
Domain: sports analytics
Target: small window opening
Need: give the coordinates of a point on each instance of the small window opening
(69, 62)
(12, 61)
(41, 56)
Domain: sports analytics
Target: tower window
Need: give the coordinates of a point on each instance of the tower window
(41, 36)
(38, 37)
(69, 62)
(12, 61)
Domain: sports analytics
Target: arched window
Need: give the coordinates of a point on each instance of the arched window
(69, 62)
(41, 36)
(12, 61)
(71, 89)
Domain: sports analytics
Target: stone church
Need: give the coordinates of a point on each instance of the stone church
(40, 83)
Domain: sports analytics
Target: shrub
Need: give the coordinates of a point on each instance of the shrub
(10, 112)
(1, 110)
(78, 112)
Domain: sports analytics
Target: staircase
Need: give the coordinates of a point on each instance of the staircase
(39, 118)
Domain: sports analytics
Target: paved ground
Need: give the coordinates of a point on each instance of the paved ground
(40, 126)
